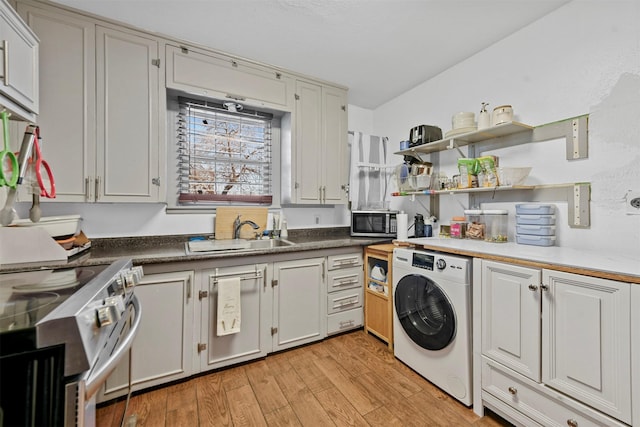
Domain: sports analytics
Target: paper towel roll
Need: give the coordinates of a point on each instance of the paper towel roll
(402, 220)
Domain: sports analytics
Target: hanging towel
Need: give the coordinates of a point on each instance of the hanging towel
(228, 319)
(368, 176)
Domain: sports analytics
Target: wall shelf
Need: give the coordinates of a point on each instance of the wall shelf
(575, 132)
(463, 139)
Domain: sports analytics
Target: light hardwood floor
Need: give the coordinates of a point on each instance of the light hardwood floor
(346, 380)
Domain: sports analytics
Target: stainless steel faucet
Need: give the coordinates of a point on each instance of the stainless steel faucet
(237, 225)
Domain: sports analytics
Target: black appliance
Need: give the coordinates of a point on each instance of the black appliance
(424, 134)
(61, 333)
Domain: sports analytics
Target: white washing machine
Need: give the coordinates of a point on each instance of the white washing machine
(432, 318)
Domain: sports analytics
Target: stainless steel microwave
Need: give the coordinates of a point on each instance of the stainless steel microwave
(374, 223)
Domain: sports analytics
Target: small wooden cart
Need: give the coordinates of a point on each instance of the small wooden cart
(378, 298)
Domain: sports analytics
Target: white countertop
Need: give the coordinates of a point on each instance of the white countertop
(566, 257)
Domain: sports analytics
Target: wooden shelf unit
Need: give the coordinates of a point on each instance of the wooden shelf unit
(378, 306)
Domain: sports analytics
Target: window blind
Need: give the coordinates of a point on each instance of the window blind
(223, 155)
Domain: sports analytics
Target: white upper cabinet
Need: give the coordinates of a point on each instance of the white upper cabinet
(67, 101)
(99, 113)
(320, 168)
(18, 65)
(226, 78)
(128, 168)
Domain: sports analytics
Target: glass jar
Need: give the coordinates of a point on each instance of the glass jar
(458, 226)
(496, 224)
(475, 224)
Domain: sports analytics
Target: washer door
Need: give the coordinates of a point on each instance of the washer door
(425, 312)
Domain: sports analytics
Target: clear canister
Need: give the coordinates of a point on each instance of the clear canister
(475, 224)
(496, 223)
(458, 226)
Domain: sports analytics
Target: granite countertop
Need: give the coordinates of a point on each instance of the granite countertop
(162, 249)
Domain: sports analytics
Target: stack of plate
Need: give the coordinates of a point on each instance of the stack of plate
(535, 224)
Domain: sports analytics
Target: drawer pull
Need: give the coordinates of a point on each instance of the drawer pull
(572, 423)
(513, 390)
(533, 287)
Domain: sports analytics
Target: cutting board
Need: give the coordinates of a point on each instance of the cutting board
(225, 216)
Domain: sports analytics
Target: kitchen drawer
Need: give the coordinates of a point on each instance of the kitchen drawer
(335, 262)
(344, 321)
(345, 279)
(344, 300)
(537, 401)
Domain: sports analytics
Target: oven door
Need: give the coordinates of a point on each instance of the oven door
(80, 399)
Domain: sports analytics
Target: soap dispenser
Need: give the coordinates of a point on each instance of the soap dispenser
(484, 118)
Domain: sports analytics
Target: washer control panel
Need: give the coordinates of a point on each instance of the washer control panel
(453, 267)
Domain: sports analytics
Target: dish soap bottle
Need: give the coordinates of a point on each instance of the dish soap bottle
(484, 118)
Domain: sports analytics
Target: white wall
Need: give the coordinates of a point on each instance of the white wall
(582, 58)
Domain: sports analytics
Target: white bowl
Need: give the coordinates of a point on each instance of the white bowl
(56, 226)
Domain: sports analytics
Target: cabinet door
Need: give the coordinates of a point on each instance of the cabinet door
(67, 99)
(254, 337)
(335, 152)
(299, 304)
(224, 77)
(127, 117)
(585, 341)
(162, 349)
(308, 143)
(19, 61)
(511, 317)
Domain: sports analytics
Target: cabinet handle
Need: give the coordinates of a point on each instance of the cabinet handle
(533, 287)
(87, 189)
(5, 66)
(513, 390)
(572, 423)
(97, 188)
(188, 289)
(544, 287)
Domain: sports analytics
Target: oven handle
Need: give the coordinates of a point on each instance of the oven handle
(97, 378)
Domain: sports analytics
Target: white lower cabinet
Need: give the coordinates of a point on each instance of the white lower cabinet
(253, 338)
(299, 305)
(555, 346)
(162, 349)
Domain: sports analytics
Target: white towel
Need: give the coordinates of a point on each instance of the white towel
(229, 310)
(368, 183)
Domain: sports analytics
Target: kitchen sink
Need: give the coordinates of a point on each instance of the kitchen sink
(235, 245)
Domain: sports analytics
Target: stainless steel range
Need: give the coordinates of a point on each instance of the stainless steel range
(62, 332)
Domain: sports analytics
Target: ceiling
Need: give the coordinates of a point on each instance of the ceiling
(379, 49)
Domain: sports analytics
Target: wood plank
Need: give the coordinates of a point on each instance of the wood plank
(341, 412)
(149, 408)
(313, 377)
(244, 407)
(291, 384)
(358, 396)
(182, 404)
(265, 387)
(283, 417)
(345, 356)
(382, 417)
(226, 215)
(309, 411)
(233, 378)
(213, 409)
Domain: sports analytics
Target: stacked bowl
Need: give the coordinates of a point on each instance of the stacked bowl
(535, 224)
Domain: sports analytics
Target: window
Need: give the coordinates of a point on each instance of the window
(224, 153)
